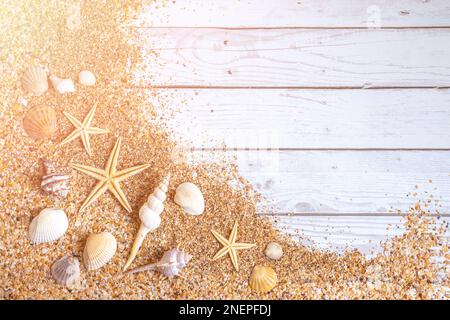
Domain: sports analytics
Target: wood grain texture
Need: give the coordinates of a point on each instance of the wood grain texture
(341, 233)
(296, 58)
(293, 13)
(343, 182)
(309, 118)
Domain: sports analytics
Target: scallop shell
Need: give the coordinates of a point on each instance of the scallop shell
(86, 78)
(263, 279)
(190, 198)
(66, 271)
(171, 263)
(62, 85)
(99, 250)
(274, 250)
(49, 225)
(40, 122)
(149, 214)
(35, 80)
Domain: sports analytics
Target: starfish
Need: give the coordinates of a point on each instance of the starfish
(230, 246)
(109, 178)
(83, 129)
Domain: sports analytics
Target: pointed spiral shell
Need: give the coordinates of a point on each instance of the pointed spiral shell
(171, 263)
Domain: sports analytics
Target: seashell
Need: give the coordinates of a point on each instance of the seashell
(40, 122)
(35, 80)
(190, 198)
(274, 250)
(99, 250)
(54, 182)
(263, 279)
(49, 225)
(62, 85)
(149, 214)
(86, 78)
(66, 271)
(170, 264)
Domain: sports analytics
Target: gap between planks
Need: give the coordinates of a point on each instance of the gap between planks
(350, 214)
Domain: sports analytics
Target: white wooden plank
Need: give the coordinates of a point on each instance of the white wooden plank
(344, 182)
(293, 13)
(305, 58)
(340, 233)
(309, 118)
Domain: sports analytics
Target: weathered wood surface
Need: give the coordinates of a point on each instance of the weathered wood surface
(308, 119)
(294, 13)
(296, 58)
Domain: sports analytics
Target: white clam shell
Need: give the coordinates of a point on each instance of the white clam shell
(274, 250)
(190, 198)
(49, 225)
(66, 271)
(62, 85)
(86, 78)
(99, 250)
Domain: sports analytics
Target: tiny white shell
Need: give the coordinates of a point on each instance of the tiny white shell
(86, 78)
(66, 271)
(49, 225)
(274, 250)
(62, 85)
(99, 250)
(190, 198)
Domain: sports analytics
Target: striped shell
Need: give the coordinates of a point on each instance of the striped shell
(190, 198)
(49, 225)
(66, 271)
(54, 182)
(99, 250)
(40, 122)
(35, 80)
(263, 279)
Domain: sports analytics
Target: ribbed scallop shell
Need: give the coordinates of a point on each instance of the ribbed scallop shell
(99, 250)
(49, 225)
(190, 198)
(40, 122)
(171, 263)
(66, 271)
(35, 80)
(263, 279)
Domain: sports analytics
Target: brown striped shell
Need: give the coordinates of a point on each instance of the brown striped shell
(35, 80)
(54, 182)
(40, 122)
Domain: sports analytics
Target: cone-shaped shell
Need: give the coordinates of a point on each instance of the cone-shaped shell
(49, 225)
(99, 250)
(263, 279)
(40, 122)
(35, 80)
(190, 198)
(66, 271)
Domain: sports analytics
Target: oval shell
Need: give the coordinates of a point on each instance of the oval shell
(40, 122)
(86, 78)
(99, 250)
(66, 271)
(49, 225)
(263, 279)
(190, 198)
(35, 80)
(274, 250)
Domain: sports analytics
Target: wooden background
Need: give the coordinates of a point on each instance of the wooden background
(337, 110)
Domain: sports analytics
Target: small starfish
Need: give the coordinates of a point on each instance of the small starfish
(230, 246)
(83, 129)
(109, 178)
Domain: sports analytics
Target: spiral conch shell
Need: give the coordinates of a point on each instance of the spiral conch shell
(170, 264)
(66, 271)
(62, 85)
(150, 217)
(99, 250)
(49, 225)
(263, 279)
(54, 182)
(35, 80)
